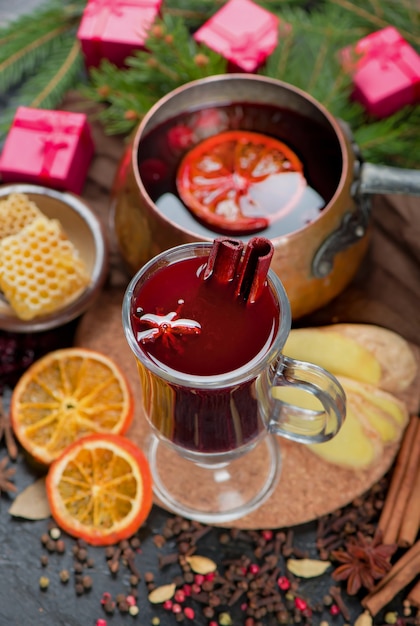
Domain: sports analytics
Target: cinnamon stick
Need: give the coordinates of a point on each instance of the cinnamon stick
(254, 269)
(402, 482)
(224, 258)
(410, 523)
(414, 595)
(246, 270)
(400, 575)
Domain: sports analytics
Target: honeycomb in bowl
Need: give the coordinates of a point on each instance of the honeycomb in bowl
(40, 269)
(16, 212)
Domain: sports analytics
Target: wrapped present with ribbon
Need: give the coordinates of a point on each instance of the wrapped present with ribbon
(114, 29)
(243, 32)
(50, 148)
(385, 70)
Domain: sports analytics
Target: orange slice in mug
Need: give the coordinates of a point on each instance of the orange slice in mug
(240, 181)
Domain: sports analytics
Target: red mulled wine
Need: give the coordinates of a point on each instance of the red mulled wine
(187, 324)
(307, 191)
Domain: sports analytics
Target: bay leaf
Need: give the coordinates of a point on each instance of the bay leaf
(32, 502)
(307, 568)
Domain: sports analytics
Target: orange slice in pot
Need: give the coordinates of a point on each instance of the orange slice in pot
(66, 395)
(228, 181)
(100, 489)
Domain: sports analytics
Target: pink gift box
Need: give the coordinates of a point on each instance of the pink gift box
(386, 72)
(242, 32)
(51, 148)
(114, 29)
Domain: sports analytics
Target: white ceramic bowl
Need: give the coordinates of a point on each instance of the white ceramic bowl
(85, 231)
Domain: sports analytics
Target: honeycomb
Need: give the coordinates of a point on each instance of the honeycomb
(40, 269)
(16, 211)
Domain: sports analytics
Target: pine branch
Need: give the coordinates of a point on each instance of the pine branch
(173, 59)
(40, 61)
(61, 70)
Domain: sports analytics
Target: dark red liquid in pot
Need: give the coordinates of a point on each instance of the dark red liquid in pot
(316, 145)
(221, 334)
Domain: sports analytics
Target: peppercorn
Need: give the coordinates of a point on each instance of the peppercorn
(44, 582)
(133, 610)
(87, 583)
(45, 538)
(79, 589)
(82, 555)
(55, 533)
(225, 619)
(60, 546)
(64, 575)
(44, 560)
(50, 545)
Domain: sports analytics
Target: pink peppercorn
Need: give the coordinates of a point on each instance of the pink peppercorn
(199, 579)
(267, 535)
(300, 604)
(334, 609)
(283, 583)
(176, 608)
(189, 612)
(101, 622)
(210, 576)
(195, 588)
(244, 606)
(254, 569)
(168, 605)
(187, 590)
(106, 596)
(213, 623)
(179, 595)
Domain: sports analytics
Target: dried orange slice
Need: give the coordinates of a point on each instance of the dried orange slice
(66, 395)
(100, 489)
(230, 180)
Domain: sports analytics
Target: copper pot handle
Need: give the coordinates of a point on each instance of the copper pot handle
(383, 179)
(369, 179)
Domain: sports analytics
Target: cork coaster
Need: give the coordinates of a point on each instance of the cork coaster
(307, 488)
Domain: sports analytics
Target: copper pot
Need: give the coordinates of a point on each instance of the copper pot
(315, 262)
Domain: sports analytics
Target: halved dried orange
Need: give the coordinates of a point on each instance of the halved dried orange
(66, 395)
(100, 489)
(237, 181)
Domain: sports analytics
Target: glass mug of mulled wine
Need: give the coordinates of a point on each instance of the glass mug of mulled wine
(207, 323)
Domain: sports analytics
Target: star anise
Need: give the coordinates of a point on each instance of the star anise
(364, 561)
(6, 474)
(6, 432)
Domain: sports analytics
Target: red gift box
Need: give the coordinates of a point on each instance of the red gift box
(114, 29)
(242, 32)
(386, 72)
(51, 148)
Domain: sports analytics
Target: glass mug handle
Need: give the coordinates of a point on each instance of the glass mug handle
(301, 401)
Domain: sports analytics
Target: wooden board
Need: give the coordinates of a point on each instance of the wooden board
(307, 488)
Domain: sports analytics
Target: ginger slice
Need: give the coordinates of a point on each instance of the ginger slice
(364, 352)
